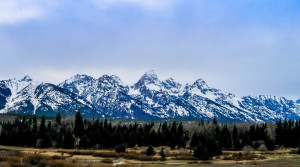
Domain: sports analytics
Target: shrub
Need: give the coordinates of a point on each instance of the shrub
(247, 150)
(262, 147)
(162, 154)
(33, 159)
(167, 151)
(135, 147)
(183, 151)
(120, 148)
(298, 152)
(150, 151)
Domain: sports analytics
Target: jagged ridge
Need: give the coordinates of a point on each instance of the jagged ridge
(148, 98)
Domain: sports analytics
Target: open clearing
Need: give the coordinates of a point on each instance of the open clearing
(92, 158)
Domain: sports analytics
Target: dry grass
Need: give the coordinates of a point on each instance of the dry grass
(184, 157)
(140, 157)
(18, 159)
(78, 152)
(26, 157)
(106, 154)
(241, 157)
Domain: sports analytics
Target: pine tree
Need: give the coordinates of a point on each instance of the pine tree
(68, 141)
(215, 122)
(194, 141)
(235, 138)
(34, 132)
(84, 142)
(279, 135)
(42, 130)
(79, 126)
(150, 150)
(201, 122)
(201, 153)
(181, 142)
(213, 147)
(58, 119)
(226, 137)
(46, 142)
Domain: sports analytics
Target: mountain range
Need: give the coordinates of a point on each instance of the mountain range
(149, 98)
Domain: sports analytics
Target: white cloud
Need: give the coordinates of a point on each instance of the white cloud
(150, 4)
(14, 11)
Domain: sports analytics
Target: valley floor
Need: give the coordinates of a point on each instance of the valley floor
(19, 156)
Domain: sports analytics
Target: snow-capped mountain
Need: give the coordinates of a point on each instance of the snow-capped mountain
(148, 98)
(27, 96)
(107, 93)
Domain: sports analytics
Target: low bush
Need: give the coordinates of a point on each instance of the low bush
(120, 148)
(135, 147)
(262, 147)
(247, 150)
(34, 159)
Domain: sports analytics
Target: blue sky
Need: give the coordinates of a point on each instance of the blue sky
(247, 47)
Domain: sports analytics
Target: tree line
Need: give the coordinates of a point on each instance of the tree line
(207, 139)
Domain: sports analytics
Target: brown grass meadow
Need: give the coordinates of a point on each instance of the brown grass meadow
(27, 157)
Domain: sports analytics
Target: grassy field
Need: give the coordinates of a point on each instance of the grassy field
(23, 157)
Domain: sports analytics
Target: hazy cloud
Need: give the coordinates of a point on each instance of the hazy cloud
(150, 4)
(14, 11)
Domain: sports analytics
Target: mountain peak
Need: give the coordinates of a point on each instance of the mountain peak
(111, 78)
(150, 73)
(171, 84)
(149, 77)
(26, 78)
(77, 78)
(80, 76)
(201, 83)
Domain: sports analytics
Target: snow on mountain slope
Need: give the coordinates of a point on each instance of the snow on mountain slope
(19, 94)
(271, 107)
(169, 99)
(108, 93)
(148, 98)
(31, 97)
(161, 97)
(54, 99)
